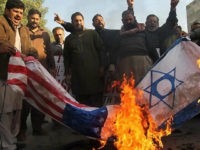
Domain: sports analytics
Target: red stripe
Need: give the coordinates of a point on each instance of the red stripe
(44, 109)
(18, 83)
(48, 102)
(17, 54)
(51, 89)
(17, 69)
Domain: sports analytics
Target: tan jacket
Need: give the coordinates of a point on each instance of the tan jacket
(12, 101)
(40, 40)
(7, 35)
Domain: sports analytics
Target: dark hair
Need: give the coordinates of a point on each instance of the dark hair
(15, 4)
(76, 14)
(196, 22)
(32, 52)
(57, 28)
(127, 12)
(97, 15)
(152, 15)
(34, 11)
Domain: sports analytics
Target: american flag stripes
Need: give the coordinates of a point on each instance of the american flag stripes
(17, 73)
(47, 95)
(171, 88)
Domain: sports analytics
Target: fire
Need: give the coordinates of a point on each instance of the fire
(133, 125)
(198, 62)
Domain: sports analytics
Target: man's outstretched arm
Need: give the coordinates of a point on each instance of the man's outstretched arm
(66, 25)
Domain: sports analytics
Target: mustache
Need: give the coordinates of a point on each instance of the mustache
(34, 23)
(17, 17)
(79, 28)
(130, 26)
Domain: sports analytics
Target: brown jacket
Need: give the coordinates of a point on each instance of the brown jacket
(7, 35)
(40, 40)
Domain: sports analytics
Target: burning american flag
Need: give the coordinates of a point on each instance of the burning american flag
(170, 88)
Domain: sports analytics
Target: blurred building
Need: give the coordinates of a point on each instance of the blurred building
(193, 12)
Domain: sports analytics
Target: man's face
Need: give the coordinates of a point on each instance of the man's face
(59, 36)
(78, 23)
(34, 21)
(128, 21)
(99, 23)
(15, 15)
(152, 23)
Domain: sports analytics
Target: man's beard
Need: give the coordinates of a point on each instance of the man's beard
(59, 41)
(99, 28)
(152, 28)
(130, 26)
(79, 28)
(33, 25)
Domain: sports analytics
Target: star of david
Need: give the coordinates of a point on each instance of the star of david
(162, 87)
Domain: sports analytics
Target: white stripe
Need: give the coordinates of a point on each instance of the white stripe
(17, 61)
(17, 89)
(42, 72)
(47, 95)
(19, 76)
(40, 101)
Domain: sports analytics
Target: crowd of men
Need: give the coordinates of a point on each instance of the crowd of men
(92, 59)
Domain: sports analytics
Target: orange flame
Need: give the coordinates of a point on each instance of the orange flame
(198, 62)
(133, 124)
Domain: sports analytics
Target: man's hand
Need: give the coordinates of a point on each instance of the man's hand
(184, 34)
(140, 27)
(174, 3)
(7, 48)
(130, 3)
(58, 19)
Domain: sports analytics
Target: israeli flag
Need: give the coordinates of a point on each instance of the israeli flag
(172, 86)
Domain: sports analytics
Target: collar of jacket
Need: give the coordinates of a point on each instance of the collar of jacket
(39, 29)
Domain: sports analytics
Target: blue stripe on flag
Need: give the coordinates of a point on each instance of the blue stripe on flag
(88, 123)
(186, 114)
(178, 41)
(192, 109)
(171, 87)
(170, 48)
